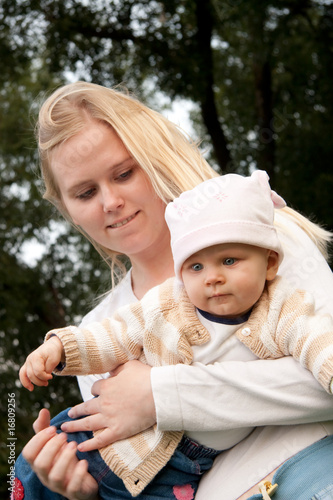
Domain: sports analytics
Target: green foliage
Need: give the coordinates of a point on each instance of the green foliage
(254, 69)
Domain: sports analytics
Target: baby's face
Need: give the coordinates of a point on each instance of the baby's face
(228, 279)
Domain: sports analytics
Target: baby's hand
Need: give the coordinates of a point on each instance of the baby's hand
(40, 364)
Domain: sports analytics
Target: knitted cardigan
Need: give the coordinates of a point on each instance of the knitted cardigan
(160, 330)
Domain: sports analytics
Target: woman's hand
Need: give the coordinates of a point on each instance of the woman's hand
(57, 466)
(43, 420)
(125, 406)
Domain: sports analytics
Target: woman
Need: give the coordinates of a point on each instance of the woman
(113, 181)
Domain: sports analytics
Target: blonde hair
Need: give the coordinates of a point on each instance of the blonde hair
(320, 236)
(172, 162)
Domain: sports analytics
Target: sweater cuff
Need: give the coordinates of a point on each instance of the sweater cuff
(72, 365)
(61, 365)
(166, 398)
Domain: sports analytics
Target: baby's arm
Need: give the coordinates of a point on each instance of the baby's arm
(99, 346)
(308, 337)
(41, 363)
(102, 346)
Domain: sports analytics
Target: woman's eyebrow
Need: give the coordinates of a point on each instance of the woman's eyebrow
(82, 183)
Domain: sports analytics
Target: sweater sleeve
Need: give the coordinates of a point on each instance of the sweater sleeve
(101, 346)
(284, 323)
(135, 331)
(307, 336)
(98, 347)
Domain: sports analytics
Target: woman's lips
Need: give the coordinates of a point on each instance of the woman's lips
(123, 221)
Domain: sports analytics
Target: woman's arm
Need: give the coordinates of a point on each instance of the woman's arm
(238, 394)
(279, 392)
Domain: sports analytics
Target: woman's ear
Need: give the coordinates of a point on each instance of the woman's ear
(272, 265)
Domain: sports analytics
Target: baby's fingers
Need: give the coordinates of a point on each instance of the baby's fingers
(39, 370)
(36, 372)
(24, 379)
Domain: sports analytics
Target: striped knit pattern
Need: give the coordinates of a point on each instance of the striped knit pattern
(284, 323)
(160, 330)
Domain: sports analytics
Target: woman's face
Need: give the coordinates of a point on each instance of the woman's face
(107, 194)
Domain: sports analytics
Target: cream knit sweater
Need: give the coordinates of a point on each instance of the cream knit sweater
(160, 330)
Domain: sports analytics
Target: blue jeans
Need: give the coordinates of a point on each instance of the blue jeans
(308, 475)
(177, 480)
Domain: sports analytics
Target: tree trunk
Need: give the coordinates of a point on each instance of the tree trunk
(264, 107)
(207, 98)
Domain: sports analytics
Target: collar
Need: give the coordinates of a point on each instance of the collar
(238, 320)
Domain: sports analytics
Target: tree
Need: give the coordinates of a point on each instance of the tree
(220, 55)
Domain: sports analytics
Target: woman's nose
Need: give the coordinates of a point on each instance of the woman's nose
(111, 199)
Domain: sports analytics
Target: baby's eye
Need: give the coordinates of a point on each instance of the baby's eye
(229, 261)
(196, 267)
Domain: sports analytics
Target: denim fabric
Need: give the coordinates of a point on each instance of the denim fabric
(179, 479)
(308, 475)
(325, 494)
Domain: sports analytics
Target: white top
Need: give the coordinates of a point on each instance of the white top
(237, 393)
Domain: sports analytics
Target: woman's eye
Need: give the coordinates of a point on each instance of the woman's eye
(125, 175)
(229, 261)
(196, 267)
(86, 195)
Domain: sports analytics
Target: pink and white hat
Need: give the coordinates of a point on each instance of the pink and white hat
(226, 209)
